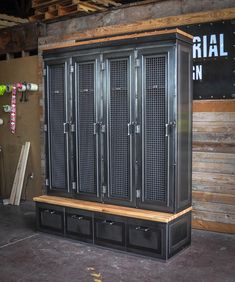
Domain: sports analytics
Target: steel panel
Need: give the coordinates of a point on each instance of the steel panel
(58, 166)
(118, 121)
(118, 113)
(184, 129)
(86, 120)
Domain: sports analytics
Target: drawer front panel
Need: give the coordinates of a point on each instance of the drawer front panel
(109, 231)
(79, 224)
(51, 218)
(146, 238)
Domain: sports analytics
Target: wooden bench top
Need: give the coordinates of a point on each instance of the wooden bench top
(110, 209)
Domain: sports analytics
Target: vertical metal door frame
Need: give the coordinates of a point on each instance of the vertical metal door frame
(107, 57)
(48, 65)
(83, 59)
(179, 203)
(168, 52)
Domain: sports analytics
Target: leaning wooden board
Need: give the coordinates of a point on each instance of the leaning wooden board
(111, 209)
(19, 175)
(22, 173)
(16, 179)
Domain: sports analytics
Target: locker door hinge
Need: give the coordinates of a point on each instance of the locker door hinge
(45, 127)
(137, 194)
(47, 182)
(74, 185)
(72, 127)
(102, 66)
(137, 63)
(71, 69)
(104, 189)
(44, 72)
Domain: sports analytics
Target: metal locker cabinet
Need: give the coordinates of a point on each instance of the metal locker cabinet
(118, 117)
(133, 122)
(57, 127)
(87, 100)
(160, 116)
(157, 77)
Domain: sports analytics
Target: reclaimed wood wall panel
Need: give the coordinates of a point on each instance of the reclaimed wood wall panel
(214, 165)
(71, 31)
(214, 182)
(213, 226)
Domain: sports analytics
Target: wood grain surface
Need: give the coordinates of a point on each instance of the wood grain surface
(111, 209)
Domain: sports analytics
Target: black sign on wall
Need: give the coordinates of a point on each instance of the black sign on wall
(213, 60)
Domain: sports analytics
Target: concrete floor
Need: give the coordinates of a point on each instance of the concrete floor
(26, 255)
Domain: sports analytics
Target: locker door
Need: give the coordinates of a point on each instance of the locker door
(119, 135)
(157, 135)
(87, 127)
(57, 127)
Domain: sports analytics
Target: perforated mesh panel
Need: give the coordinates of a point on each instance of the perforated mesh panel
(119, 147)
(87, 142)
(57, 117)
(155, 150)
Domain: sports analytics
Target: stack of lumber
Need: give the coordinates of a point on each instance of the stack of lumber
(19, 175)
(7, 21)
(45, 9)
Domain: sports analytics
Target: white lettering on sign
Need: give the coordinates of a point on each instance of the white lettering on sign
(222, 52)
(213, 49)
(197, 50)
(207, 46)
(197, 72)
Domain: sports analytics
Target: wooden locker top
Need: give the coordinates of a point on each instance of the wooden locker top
(84, 39)
(110, 209)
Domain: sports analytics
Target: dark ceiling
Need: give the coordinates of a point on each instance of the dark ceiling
(18, 8)
(23, 8)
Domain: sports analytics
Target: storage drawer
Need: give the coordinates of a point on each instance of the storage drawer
(110, 231)
(146, 238)
(79, 224)
(50, 218)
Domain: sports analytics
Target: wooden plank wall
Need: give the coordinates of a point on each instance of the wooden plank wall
(214, 165)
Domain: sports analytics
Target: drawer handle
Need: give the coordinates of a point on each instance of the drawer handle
(144, 229)
(49, 211)
(110, 222)
(74, 216)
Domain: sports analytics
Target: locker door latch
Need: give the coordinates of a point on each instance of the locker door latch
(132, 128)
(102, 127)
(99, 127)
(66, 127)
(169, 127)
(96, 128)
